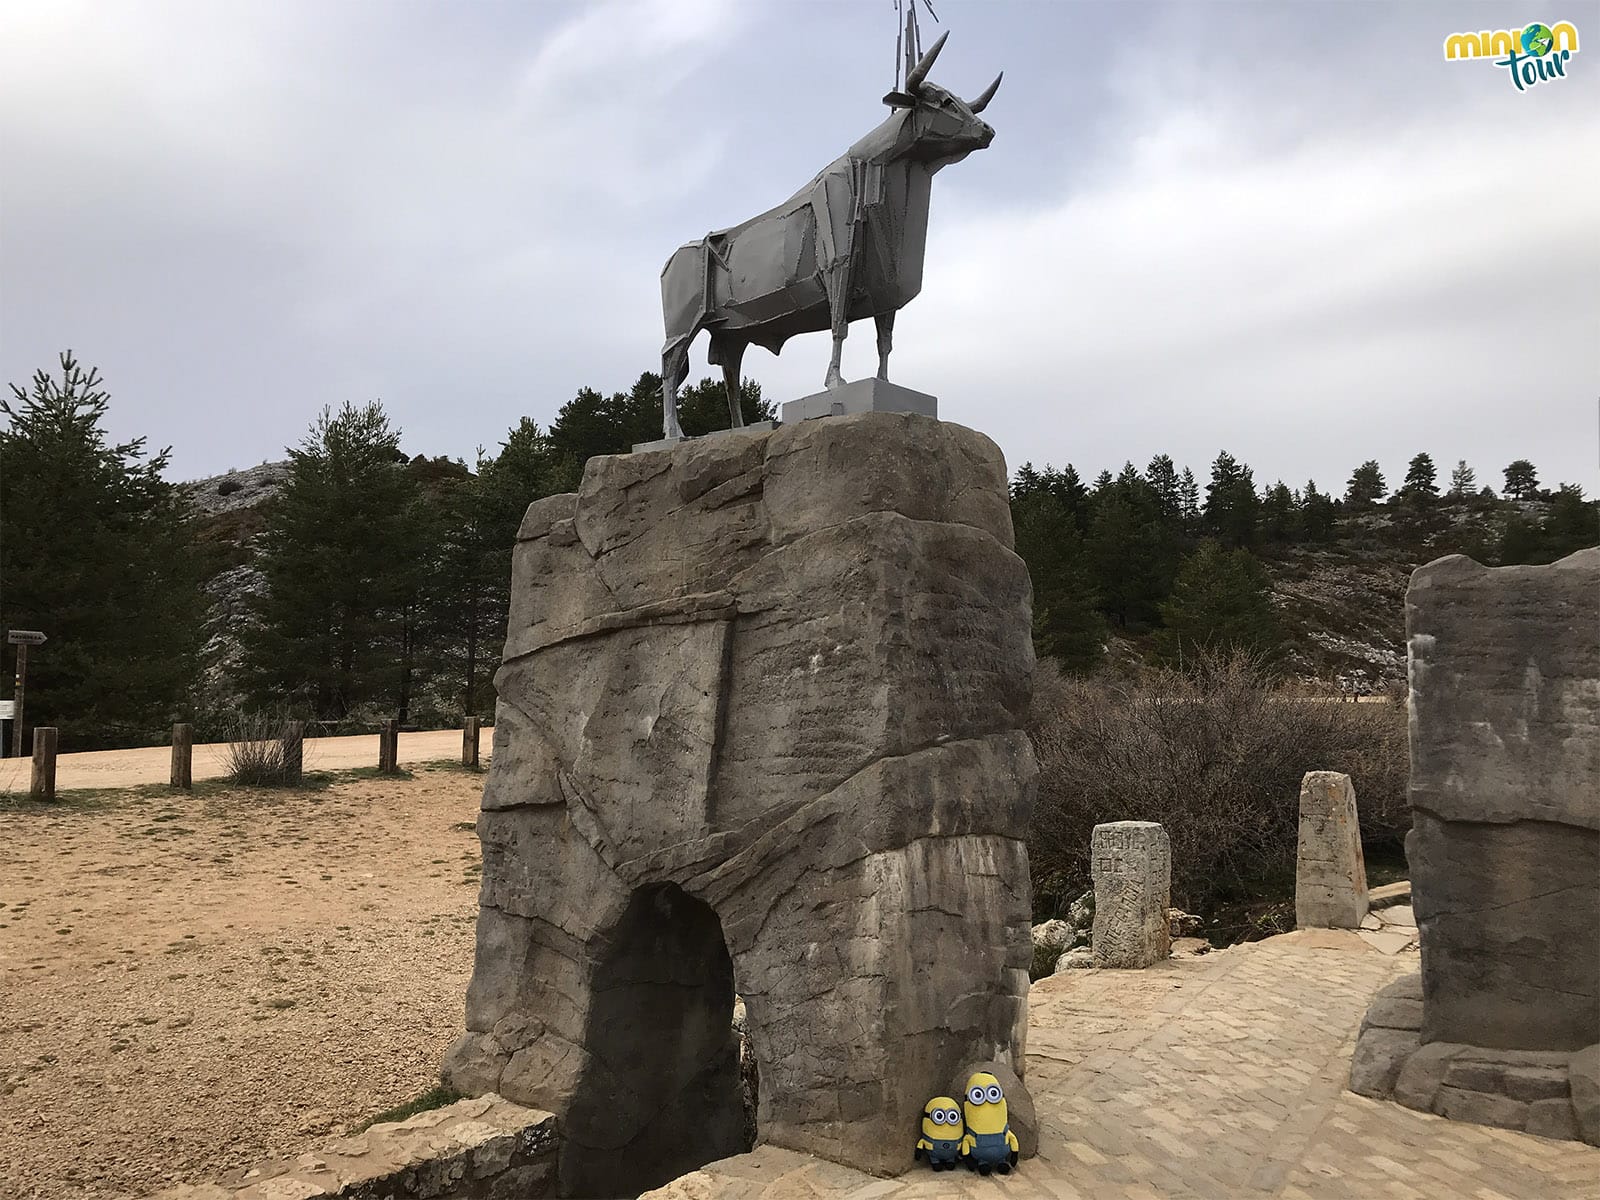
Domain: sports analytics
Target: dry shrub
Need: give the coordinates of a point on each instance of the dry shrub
(263, 751)
(1214, 754)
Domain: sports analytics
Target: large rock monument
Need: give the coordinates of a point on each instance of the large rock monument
(759, 728)
(1504, 851)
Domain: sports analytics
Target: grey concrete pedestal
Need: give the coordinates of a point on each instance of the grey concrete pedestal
(864, 395)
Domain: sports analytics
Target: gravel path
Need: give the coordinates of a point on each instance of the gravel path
(189, 984)
(153, 764)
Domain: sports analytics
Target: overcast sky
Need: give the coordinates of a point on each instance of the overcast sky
(1293, 232)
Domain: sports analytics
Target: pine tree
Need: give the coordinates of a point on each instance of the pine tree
(343, 559)
(1163, 479)
(1066, 618)
(1522, 481)
(1420, 486)
(98, 554)
(1463, 481)
(1231, 504)
(1220, 601)
(1280, 517)
(1317, 513)
(1189, 500)
(1366, 486)
(469, 591)
(1026, 482)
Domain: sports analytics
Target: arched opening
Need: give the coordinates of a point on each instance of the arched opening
(661, 1093)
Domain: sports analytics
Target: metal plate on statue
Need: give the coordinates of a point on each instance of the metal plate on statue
(862, 396)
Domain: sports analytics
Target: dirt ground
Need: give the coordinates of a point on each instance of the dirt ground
(188, 984)
(153, 764)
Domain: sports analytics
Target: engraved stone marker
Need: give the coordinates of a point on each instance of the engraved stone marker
(1330, 881)
(1132, 867)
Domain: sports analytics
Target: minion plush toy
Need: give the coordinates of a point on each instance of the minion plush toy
(989, 1144)
(941, 1133)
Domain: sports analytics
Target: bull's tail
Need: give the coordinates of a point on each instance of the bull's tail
(685, 307)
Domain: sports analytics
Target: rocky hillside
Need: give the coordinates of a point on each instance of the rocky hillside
(229, 515)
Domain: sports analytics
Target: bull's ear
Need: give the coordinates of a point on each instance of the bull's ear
(900, 100)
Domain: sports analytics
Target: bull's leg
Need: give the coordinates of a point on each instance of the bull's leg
(839, 281)
(885, 322)
(835, 378)
(732, 355)
(674, 366)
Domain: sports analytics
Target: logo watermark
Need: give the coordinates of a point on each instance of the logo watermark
(1533, 54)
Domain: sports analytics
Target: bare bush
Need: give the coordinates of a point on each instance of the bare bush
(263, 750)
(1216, 755)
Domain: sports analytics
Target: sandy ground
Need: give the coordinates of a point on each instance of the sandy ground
(190, 983)
(153, 764)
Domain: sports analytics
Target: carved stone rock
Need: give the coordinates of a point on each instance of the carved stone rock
(1504, 853)
(1131, 862)
(1330, 883)
(759, 727)
(1505, 797)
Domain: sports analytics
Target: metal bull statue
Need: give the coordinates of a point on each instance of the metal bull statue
(847, 245)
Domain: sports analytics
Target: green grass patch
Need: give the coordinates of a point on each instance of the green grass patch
(437, 1096)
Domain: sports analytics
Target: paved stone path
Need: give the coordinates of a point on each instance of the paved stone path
(1213, 1077)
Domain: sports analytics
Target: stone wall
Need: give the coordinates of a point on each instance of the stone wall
(759, 727)
(1505, 844)
(481, 1149)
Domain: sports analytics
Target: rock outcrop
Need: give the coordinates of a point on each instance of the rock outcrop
(759, 725)
(1504, 848)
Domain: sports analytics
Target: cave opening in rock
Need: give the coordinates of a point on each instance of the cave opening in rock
(661, 1092)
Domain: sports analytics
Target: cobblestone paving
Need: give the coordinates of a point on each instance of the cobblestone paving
(1216, 1077)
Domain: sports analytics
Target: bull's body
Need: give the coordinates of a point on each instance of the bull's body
(847, 245)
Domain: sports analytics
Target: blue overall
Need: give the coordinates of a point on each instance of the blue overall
(945, 1150)
(990, 1147)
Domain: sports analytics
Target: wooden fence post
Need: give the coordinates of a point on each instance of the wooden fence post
(294, 751)
(44, 763)
(182, 756)
(389, 748)
(469, 743)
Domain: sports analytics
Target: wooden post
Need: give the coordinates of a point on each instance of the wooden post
(389, 748)
(182, 756)
(16, 694)
(44, 764)
(469, 743)
(294, 751)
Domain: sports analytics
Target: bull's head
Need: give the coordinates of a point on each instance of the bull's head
(944, 128)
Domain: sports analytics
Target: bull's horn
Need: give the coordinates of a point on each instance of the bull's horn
(920, 71)
(982, 102)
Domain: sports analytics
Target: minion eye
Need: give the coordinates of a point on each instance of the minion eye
(977, 1095)
(951, 1116)
(937, 1116)
(995, 1093)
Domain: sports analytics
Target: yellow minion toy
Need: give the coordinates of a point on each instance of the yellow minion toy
(988, 1144)
(941, 1133)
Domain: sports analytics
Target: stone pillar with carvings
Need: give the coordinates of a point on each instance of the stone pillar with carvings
(1330, 880)
(1132, 868)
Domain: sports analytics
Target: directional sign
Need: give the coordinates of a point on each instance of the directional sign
(25, 637)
